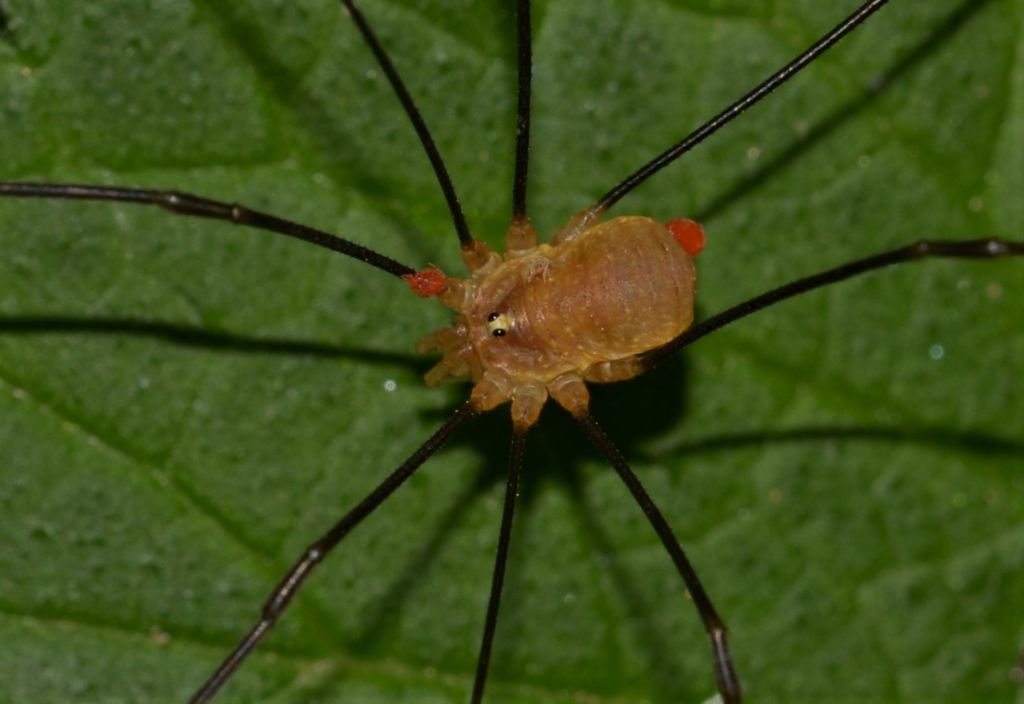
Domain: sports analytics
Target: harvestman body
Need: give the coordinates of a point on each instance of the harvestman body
(602, 302)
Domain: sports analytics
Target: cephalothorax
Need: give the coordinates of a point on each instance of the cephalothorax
(544, 318)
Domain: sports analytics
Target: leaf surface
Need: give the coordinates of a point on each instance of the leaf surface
(184, 404)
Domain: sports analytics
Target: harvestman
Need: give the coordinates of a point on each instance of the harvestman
(527, 329)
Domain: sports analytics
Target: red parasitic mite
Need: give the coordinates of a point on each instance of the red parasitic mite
(427, 282)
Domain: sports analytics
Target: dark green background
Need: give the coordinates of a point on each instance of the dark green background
(854, 506)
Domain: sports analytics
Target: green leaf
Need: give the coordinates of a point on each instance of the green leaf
(184, 404)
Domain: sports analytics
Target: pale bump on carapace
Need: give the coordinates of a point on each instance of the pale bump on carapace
(543, 319)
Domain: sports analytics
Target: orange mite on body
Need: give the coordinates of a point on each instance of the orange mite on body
(688, 233)
(544, 319)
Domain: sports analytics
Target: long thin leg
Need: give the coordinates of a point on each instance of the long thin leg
(524, 62)
(725, 673)
(290, 584)
(736, 109)
(187, 204)
(989, 248)
(515, 463)
(445, 181)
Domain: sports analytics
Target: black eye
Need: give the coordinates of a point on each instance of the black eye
(499, 332)
(492, 317)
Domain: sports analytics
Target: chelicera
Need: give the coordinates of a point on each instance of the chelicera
(602, 302)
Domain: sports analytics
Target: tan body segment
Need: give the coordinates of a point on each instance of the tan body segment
(543, 319)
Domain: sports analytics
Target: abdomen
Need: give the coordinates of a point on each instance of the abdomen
(621, 288)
